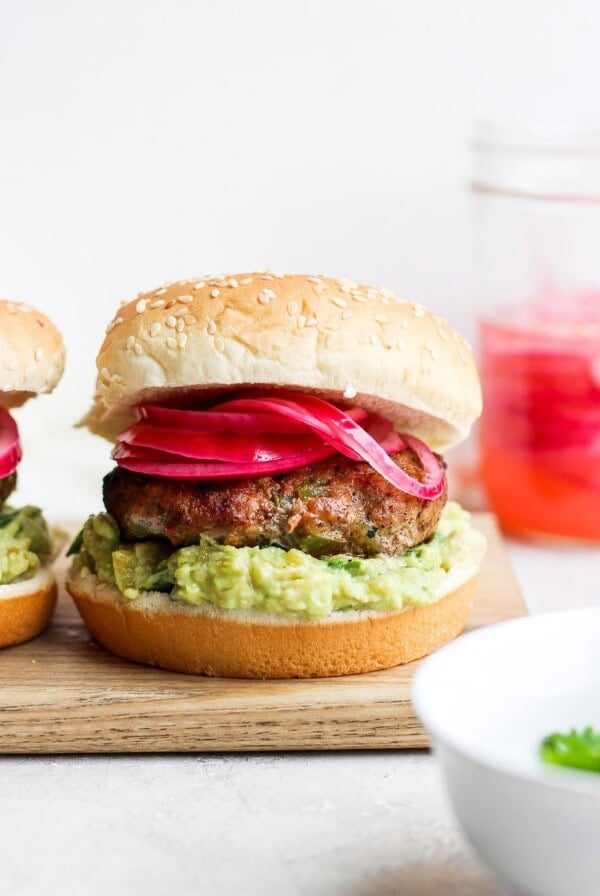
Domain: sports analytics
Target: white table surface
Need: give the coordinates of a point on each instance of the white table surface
(357, 824)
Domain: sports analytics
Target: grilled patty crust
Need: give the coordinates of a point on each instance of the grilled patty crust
(331, 507)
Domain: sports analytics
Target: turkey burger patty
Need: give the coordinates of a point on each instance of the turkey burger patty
(332, 507)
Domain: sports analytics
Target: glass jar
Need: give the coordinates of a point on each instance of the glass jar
(537, 278)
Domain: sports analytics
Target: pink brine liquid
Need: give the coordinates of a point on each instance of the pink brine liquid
(540, 430)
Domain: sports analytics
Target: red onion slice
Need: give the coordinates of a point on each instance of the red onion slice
(268, 433)
(350, 439)
(10, 448)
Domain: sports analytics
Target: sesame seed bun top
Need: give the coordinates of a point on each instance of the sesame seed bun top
(350, 343)
(32, 353)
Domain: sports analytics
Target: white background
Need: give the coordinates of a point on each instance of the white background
(143, 141)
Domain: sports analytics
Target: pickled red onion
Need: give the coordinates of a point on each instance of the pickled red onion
(10, 448)
(265, 434)
(350, 439)
(235, 448)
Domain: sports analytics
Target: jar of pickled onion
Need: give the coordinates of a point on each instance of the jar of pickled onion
(537, 280)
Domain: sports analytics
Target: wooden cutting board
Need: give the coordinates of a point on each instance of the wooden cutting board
(62, 693)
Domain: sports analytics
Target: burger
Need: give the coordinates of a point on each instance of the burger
(32, 358)
(278, 506)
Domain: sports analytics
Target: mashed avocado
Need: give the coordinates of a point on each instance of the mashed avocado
(270, 579)
(24, 542)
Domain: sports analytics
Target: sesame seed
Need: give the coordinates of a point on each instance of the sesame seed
(330, 340)
(345, 289)
(214, 293)
(118, 320)
(418, 310)
(104, 373)
(315, 279)
(110, 327)
(311, 321)
(171, 321)
(359, 298)
(158, 303)
(246, 281)
(212, 327)
(170, 303)
(171, 342)
(115, 378)
(319, 289)
(25, 308)
(384, 300)
(138, 348)
(341, 303)
(442, 333)
(219, 344)
(180, 312)
(161, 291)
(180, 325)
(404, 323)
(190, 320)
(130, 341)
(155, 329)
(181, 339)
(200, 285)
(293, 308)
(267, 294)
(347, 314)
(380, 318)
(301, 322)
(232, 282)
(277, 274)
(185, 300)
(350, 391)
(141, 306)
(373, 339)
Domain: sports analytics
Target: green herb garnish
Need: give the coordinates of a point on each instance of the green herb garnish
(576, 749)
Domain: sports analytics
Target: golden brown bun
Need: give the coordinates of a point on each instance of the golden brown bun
(32, 353)
(26, 608)
(229, 644)
(348, 342)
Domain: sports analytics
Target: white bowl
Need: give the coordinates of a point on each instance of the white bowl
(488, 699)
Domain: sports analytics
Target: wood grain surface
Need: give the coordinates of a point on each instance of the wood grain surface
(62, 693)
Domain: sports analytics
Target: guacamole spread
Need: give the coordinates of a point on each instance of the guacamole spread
(24, 542)
(271, 579)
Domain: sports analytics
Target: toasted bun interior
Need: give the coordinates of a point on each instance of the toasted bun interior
(32, 353)
(206, 640)
(349, 342)
(26, 607)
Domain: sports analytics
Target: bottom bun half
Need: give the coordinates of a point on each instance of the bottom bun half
(26, 607)
(206, 640)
